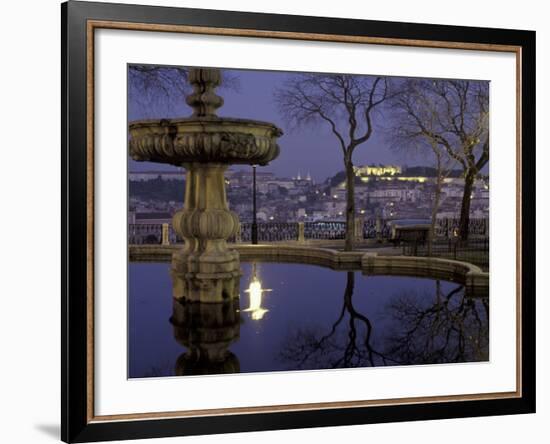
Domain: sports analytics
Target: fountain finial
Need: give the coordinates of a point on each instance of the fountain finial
(203, 99)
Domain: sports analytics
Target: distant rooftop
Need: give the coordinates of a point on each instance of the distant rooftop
(155, 216)
(158, 173)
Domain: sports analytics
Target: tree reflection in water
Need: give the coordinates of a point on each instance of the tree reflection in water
(453, 328)
(414, 329)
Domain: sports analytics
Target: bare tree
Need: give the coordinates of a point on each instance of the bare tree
(447, 328)
(454, 116)
(346, 104)
(406, 136)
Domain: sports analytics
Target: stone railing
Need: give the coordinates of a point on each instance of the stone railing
(326, 230)
(444, 228)
(139, 234)
(447, 227)
(163, 234)
(376, 228)
(269, 232)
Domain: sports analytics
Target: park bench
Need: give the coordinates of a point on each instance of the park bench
(409, 234)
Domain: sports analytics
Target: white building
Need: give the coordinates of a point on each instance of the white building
(152, 175)
(394, 194)
(283, 183)
(335, 208)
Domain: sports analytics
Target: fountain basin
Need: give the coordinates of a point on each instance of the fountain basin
(206, 139)
(474, 279)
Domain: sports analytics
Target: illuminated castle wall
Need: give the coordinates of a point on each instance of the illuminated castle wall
(381, 170)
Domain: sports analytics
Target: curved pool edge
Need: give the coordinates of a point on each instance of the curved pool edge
(471, 276)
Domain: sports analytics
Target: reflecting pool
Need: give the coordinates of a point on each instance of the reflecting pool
(300, 317)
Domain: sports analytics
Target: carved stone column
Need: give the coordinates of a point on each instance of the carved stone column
(165, 234)
(205, 270)
(301, 233)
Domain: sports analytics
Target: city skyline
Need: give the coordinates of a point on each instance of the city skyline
(166, 169)
(252, 96)
(439, 126)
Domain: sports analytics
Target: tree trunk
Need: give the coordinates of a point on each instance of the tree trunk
(350, 205)
(437, 198)
(464, 225)
(435, 208)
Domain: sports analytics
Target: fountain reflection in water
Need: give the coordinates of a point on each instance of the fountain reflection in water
(206, 331)
(255, 293)
(317, 318)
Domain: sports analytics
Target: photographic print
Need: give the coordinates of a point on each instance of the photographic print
(290, 221)
(276, 221)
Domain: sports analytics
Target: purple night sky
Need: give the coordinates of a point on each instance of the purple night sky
(311, 149)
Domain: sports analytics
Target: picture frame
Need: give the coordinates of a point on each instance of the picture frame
(80, 22)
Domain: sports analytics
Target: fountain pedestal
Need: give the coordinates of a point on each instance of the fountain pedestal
(205, 270)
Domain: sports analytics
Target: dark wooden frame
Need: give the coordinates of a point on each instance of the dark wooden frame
(79, 19)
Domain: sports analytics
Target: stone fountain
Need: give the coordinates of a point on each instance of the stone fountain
(205, 269)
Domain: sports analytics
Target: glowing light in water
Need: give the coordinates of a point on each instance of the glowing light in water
(256, 292)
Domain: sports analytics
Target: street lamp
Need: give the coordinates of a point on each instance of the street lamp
(254, 220)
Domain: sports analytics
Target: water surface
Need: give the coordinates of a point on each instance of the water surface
(311, 318)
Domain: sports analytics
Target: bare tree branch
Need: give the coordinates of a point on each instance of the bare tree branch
(153, 85)
(454, 114)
